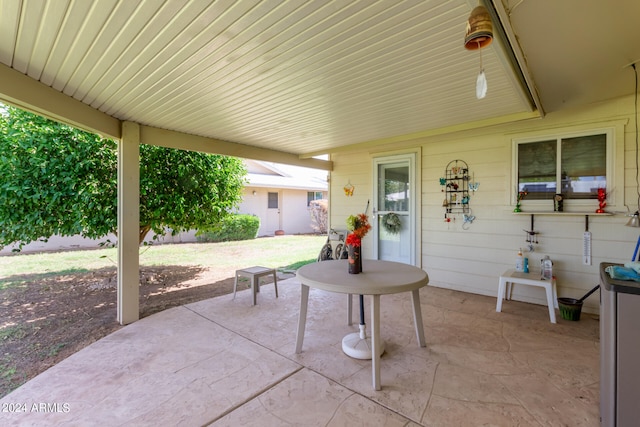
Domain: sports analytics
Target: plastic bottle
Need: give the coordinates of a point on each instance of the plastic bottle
(546, 268)
(520, 261)
(526, 265)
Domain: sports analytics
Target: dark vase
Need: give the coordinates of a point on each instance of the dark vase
(354, 259)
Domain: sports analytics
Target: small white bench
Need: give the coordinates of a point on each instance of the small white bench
(254, 274)
(511, 277)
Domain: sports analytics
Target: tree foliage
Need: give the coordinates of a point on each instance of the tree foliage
(58, 180)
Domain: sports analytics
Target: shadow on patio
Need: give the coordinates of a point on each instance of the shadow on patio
(225, 362)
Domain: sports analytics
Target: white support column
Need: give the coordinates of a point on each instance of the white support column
(128, 223)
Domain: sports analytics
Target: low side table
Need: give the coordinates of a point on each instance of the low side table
(254, 274)
(511, 277)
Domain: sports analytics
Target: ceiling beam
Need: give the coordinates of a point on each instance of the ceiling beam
(502, 26)
(29, 94)
(182, 141)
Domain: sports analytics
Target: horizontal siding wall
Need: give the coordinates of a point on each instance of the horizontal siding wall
(355, 170)
(471, 260)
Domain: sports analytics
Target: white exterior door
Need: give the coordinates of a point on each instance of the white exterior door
(394, 193)
(273, 213)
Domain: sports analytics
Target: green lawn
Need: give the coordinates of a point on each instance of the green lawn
(276, 252)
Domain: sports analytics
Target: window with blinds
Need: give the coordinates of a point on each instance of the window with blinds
(574, 166)
(313, 195)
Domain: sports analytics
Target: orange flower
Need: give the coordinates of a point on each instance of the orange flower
(353, 240)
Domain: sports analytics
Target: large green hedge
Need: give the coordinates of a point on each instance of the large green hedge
(232, 227)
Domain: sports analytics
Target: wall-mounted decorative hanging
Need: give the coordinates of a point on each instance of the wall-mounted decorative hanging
(457, 186)
(532, 236)
(467, 220)
(348, 189)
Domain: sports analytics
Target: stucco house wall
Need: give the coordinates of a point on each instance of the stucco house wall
(471, 260)
(292, 185)
(294, 212)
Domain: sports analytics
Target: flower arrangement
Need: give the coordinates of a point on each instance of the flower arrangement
(359, 227)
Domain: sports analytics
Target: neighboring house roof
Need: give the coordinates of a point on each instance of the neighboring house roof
(275, 175)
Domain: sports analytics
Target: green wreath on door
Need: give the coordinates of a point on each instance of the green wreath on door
(391, 223)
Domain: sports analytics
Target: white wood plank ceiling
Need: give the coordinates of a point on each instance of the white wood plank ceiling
(299, 76)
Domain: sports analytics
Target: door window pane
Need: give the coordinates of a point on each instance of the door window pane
(394, 188)
(273, 201)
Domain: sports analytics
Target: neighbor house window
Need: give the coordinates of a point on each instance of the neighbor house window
(574, 166)
(313, 195)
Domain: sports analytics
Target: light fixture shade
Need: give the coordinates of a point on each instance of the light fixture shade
(479, 29)
(634, 221)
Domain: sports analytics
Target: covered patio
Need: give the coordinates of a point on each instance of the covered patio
(364, 83)
(360, 83)
(225, 362)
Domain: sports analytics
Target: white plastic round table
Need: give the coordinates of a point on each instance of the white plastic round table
(377, 278)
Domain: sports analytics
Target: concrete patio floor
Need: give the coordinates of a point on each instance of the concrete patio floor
(224, 362)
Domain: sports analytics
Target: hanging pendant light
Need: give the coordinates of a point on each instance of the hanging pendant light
(479, 35)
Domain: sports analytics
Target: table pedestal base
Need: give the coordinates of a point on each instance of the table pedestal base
(358, 345)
